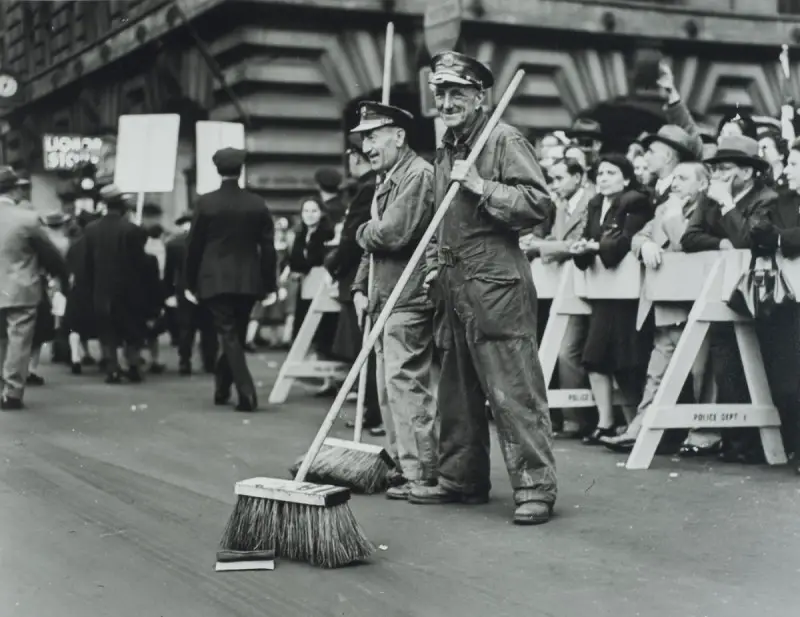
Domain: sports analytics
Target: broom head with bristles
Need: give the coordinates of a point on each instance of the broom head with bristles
(300, 521)
(361, 467)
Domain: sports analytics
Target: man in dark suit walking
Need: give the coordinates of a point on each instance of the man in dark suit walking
(230, 264)
(189, 317)
(115, 269)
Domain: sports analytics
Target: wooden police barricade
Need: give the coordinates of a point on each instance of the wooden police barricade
(297, 364)
(707, 279)
(572, 290)
(555, 282)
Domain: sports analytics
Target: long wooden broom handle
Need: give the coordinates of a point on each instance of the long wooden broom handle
(388, 54)
(380, 322)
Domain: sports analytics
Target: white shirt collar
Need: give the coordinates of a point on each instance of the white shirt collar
(663, 184)
(575, 200)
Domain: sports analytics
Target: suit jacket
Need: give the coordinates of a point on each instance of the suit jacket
(566, 228)
(115, 265)
(25, 249)
(231, 247)
(405, 208)
(785, 215)
(174, 260)
(666, 229)
(342, 263)
(629, 212)
(707, 227)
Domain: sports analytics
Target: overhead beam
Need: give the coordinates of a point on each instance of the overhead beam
(631, 20)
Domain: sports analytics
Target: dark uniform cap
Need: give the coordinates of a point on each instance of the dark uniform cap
(375, 115)
(151, 209)
(229, 161)
(450, 67)
(328, 179)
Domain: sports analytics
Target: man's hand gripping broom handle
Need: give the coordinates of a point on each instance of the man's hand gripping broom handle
(380, 322)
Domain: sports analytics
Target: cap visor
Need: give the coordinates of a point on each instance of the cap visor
(370, 125)
(437, 79)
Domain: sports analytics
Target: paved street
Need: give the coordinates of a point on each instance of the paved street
(114, 499)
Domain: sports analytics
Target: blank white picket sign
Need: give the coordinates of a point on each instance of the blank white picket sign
(213, 136)
(147, 153)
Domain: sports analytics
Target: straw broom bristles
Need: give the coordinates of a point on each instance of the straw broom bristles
(363, 472)
(328, 537)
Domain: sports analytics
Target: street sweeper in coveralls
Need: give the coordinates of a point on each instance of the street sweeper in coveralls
(485, 299)
(402, 211)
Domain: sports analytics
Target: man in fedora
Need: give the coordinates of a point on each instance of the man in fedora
(738, 200)
(664, 150)
(189, 317)
(230, 264)
(402, 208)
(25, 250)
(485, 321)
(116, 267)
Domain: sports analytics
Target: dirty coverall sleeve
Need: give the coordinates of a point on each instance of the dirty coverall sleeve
(521, 200)
(405, 219)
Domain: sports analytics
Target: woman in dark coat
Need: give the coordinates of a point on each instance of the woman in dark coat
(614, 349)
(309, 251)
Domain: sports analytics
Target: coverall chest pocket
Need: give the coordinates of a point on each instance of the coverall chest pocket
(498, 305)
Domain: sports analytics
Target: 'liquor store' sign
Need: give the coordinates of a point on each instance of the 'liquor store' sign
(64, 152)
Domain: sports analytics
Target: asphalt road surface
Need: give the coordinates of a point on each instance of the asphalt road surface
(114, 500)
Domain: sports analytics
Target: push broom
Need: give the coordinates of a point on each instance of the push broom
(359, 466)
(309, 522)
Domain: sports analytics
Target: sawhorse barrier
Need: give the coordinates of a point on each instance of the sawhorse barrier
(571, 292)
(707, 280)
(297, 363)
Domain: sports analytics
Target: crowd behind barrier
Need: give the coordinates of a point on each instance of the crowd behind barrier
(705, 279)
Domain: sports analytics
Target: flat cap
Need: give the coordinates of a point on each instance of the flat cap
(374, 115)
(229, 160)
(55, 219)
(10, 179)
(111, 194)
(450, 67)
(328, 179)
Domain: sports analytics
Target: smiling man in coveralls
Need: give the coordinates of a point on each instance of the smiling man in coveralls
(485, 322)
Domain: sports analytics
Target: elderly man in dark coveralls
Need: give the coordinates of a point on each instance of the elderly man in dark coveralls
(485, 321)
(401, 212)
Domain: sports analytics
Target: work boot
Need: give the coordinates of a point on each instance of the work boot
(532, 513)
(10, 403)
(435, 495)
(401, 492)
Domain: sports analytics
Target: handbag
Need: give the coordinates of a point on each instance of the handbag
(761, 289)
